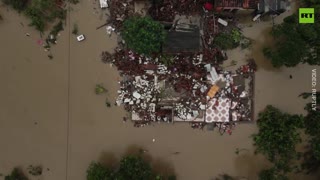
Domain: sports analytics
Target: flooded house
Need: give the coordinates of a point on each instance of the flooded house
(260, 6)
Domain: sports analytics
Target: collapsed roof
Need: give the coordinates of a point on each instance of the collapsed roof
(246, 4)
(184, 38)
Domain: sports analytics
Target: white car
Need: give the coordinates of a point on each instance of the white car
(80, 38)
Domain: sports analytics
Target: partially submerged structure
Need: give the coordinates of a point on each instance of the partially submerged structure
(186, 82)
(184, 38)
(261, 6)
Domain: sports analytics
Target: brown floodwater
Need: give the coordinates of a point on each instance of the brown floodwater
(50, 115)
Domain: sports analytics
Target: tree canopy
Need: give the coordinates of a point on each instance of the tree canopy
(40, 12)
(131, 167)
(271, 174)
(277, 138)
(134, 167)
(16, 174)
(278, 133)
(97, 171)
(18, 5)
(312, 123)
(143, 35)
(294, 42)
(228, 40)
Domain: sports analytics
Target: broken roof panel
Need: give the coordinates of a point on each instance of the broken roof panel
(183, 40)
(246, 4)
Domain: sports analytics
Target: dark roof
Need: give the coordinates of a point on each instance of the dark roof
(247, 4)
(178, 41)
(272, 5)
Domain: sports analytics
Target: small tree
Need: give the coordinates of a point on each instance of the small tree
(294, 42)
(312, 123)
(277, 138)
(100, 89)
(278, 133)
(134, 167)
(16, 174)
(18, 5)
(271, 174)
(97, 171)
(131, 167)
(228, 40)
(143, 35)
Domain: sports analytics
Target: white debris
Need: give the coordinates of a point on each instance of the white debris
(136, 95)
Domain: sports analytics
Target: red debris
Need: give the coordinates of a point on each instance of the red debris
(208, 6)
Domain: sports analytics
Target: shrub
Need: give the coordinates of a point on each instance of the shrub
(143, 35)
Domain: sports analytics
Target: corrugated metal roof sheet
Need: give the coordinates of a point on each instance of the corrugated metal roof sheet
(247, 4)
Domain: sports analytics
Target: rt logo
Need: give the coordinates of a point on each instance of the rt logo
(306, 15)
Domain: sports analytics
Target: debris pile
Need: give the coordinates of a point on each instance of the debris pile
(120, 10)
(197, 86)
(186, 86)
(167, 9)
(248, 69)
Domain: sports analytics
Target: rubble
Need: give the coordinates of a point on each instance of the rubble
(184, 86)
(198, 85)
(119, 11)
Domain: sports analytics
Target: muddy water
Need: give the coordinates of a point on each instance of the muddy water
(73, 126)
(33, 93)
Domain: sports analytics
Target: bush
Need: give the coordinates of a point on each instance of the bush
(271, 174)
(295, 43)
(75, 29)
(228, 40)
(16, 174)
(74, 1)
(98, 172)
(18, 5)
(131, 167)
(278, 133)
(100, 89)
(37, 20)
(134, 167)
(143, 35)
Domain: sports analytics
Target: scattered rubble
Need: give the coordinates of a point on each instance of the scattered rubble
(184, 86)
(119, 11)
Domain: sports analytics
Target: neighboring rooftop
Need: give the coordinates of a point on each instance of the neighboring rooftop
(183, 40)
(185, 36)
(246, 4)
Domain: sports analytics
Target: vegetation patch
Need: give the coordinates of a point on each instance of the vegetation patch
(19, 5)
(143, 35)
(16, 174)
(75, 29)
(42, 12)
(100, 89)
(277, 138)
(131, 167)
(228, 40)
(311, 161)
(296, 43)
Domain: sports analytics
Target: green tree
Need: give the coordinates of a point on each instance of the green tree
(228, 40)
(278, 134)
(294, 42)
(16, 174)
(37, 19)
(134, 168)
(97, 171)
(18, 5)
(271, 174)
(311, 161)
(143, 35)
(131, 167)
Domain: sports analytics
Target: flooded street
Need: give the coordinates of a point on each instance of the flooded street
(50, 115)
